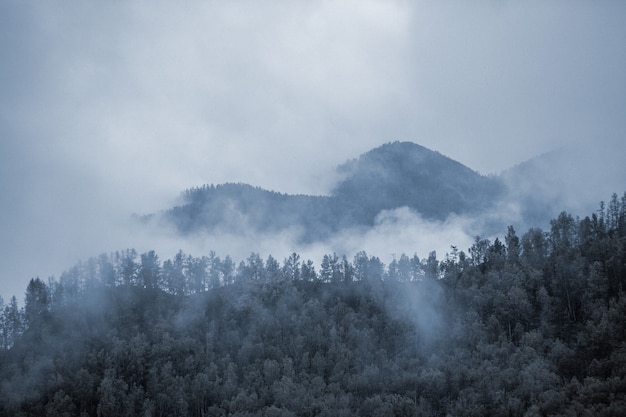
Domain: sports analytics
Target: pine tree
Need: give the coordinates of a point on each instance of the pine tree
(36, 301)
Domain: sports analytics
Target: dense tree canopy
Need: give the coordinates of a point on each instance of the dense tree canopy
(529, 325)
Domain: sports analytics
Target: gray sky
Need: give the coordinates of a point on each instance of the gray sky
(109, 108)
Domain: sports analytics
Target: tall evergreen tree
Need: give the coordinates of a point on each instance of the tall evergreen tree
(36, 301)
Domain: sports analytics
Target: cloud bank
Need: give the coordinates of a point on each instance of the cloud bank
(112, 108)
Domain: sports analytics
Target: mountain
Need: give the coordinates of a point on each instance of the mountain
(393, 175)
(406, 174)
(573, 178)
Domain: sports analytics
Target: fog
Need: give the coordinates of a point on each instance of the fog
(112, 109)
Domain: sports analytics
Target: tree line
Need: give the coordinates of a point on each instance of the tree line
(186, 275)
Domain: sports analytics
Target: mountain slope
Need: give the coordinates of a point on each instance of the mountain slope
(393, 175)
(574, 179)
(405, 174)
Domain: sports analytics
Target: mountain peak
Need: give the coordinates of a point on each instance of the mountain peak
(407, 174)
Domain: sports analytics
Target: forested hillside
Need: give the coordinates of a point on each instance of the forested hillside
(527, 325)
(241, 208)
(395, 175)
(398, 174)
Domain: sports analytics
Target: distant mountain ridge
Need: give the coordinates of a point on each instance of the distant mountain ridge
(394, 175)
(572, 178)
(405, 174)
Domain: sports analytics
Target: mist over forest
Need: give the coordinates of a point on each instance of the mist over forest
(528, 325)
(399, 175)
(398, 197)
(514, 324)
(297, 208)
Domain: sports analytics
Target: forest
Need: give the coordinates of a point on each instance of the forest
(527, 325)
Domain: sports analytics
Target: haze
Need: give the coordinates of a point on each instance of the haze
(113, 108)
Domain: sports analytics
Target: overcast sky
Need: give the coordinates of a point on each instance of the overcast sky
(109, 108)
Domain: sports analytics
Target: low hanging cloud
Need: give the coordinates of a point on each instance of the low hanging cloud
(395, 232)
(108, 109)
(402, 230)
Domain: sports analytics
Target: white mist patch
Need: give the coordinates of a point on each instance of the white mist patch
(239, 244)
(402, 230)
(420, 305)
(395, 232)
